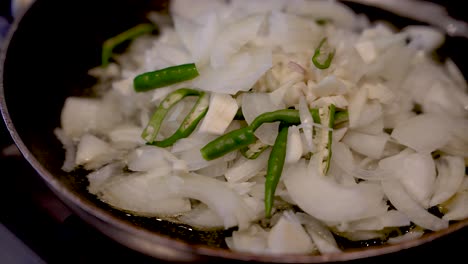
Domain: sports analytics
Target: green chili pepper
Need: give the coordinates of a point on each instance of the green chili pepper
(190, 122)
(243, 137)
(331, 123)
(129, 34)
(152, 129)
(318, 54)
(288, 116)
(254, 150)
(275, 167)
(226, 143)
(341, 117)
(164, 77)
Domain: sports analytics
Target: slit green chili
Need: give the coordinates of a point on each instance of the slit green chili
(226, 143)
(190, 122)
(275, 167)
(243, 137)
(109, 45)
(318, 53)
(331, 124)
(164, 77)
(152, 129)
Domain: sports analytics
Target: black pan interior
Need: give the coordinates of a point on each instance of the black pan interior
(48, 57)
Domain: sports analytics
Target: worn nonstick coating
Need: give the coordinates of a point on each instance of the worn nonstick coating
(50, 50)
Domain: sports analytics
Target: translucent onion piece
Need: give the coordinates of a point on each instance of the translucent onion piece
(411, 235)
(244, 69)
(148, 158)
(403, 202)
(143, 193)
(216, 194)
(326, 200)
(416, 172)
(414, 133)
(335, 11)
(289, 237)
(392, 218)
(202, 217)
(233, 37)
(93, 152)
(100, 176)
(294, 149)
(253, 240)
(244, 169)
(307, 123)
(368, 145)
(70, 150)
(320, 234)
(82, 115)
(451, 171)
(356, 104)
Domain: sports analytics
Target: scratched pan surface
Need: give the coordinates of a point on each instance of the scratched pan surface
(49, 52)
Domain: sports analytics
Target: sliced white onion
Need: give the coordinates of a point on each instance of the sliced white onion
(338, 133)
(259, 6)
(371, 112)
(455, 74)
(126, 136)
(376, 127)
(253, 240)
(457, 208)
(307, 121)
(356, 105)
(424, 37)
(450, 174)
(320, 234)
(330, 85)
(195, 160)
(290, 32)
(294, 149)
(338, 100)
(414, 133)
(368, 145)
(244, 69)
(100, 176)
(185, 8)
(326, 200)
(411, 235)
(70, 150)
(404, 203)
(392, 218)
(202, 217)
(221, 112)
(217, 195)
(143, 193)
(380, 92)
(233, 38)
(289, 237)
(93, 152)
(416, 172)
(148, 158)
(244, 169)
(82, 115)
(215, 170)
(339, 13)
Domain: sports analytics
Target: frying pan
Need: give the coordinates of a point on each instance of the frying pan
(46, 59)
